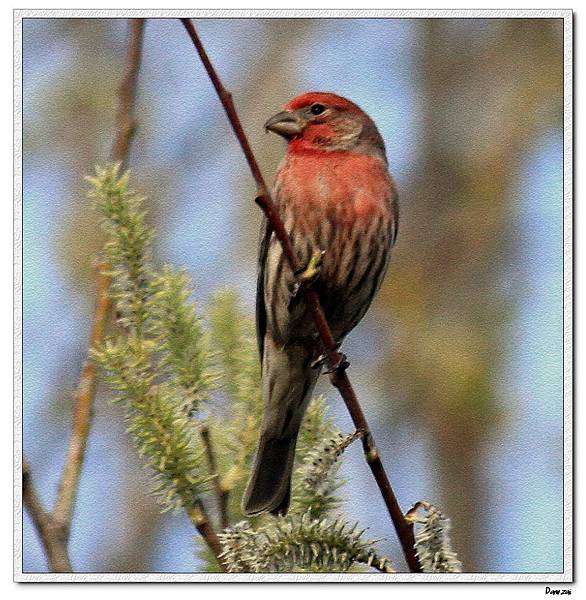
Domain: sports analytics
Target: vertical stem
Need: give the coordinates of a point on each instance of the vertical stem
(333, 357)
(54, 527)
(404, 529)
(52, 537)
(198, 516)
(125, 120)
(221, 493)
(125, 127)
(63, 511)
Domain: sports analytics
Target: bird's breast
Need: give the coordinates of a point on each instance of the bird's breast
(340, 204)
(346, 190)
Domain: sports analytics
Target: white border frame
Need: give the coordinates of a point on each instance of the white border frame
(567, 575)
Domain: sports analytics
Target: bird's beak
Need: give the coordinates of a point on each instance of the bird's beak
(288, 124)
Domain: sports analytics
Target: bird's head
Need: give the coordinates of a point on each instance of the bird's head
(320, 121)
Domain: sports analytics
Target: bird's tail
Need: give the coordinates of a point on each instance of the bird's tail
(288, 383)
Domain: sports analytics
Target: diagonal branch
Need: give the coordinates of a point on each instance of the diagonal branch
(334, 359)
(63, 511)
(125, 120)
(201, 521)
(220, 492)
(54, 527)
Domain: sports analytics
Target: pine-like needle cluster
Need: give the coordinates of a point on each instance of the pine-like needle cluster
(157, 361)
(432, 540)
(299, 544)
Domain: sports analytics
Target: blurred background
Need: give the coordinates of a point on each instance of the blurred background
(458, 364)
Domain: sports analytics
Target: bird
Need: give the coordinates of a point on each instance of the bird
(337, 200)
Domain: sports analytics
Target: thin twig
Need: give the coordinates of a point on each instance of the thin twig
(63, 511)
(334, 359)
(52, 537)
(221, 493)
(54, 527)
(199, 517)
(379, 564)
(125, 120)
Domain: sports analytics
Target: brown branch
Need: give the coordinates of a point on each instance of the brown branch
(54, 527)
(63, 511)
(334, 359)
(125, 121)
(199, 517)
(380, 564)
(52, 536)
(221, 493)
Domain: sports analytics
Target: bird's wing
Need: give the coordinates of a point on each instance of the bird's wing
(261, 312)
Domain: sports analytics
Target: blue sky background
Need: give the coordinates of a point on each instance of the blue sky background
(524, 463)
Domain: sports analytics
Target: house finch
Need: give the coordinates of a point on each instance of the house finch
(335, 195)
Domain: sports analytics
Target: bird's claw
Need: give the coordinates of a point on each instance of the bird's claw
(318, 362)
(341, 361)
(341, 364)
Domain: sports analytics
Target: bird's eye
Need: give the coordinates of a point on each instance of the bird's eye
(317, 109)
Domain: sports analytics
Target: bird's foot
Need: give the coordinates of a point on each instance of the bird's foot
(321, 360)
(318, 362)
(341, 363)
(307, 275)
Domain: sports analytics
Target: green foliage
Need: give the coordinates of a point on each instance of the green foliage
(156, 364)
(236, 417)
(317, 427)
(164, 437)
(432, 540)
(319, 447)
(317, 476)
(174, 374)
(127, 249)
(236, 353)
(299, 544)
(179, 336)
